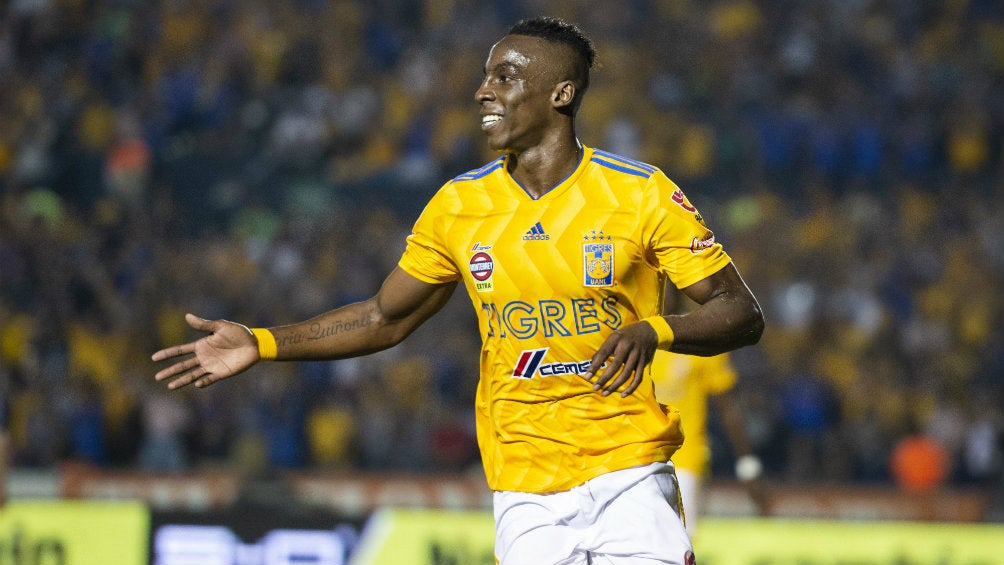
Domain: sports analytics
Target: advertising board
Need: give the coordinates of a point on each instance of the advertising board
(251, 536)
(71, 532)
(438, 537)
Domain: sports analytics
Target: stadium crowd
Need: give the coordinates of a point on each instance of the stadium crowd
(263, 161)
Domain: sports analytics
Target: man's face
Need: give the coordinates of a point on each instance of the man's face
(516, 94)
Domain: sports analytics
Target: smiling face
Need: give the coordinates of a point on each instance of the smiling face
(525, 92)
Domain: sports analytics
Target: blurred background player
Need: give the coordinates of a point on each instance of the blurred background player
(693, 385)
(4, 442)
(3, 466)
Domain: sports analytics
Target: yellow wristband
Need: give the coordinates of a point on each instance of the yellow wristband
(662, 329)
(267, 348)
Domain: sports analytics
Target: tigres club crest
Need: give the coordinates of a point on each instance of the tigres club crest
(598, 264)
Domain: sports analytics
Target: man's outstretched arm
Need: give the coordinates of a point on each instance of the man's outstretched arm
(402, 304)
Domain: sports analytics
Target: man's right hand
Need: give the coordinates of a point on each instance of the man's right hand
(228, 350)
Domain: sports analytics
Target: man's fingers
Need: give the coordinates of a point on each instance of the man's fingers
(596, 366)
(613, 385)
(187, 371)
(177, 368)
(198, 323)
(626, 360)
(612, 368)
(633, 385)
(175, 351)
(188, 378)
(631, 371)
(627, 369)
(596, 363)
(638, 374)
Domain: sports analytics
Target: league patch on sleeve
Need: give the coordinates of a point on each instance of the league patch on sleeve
(706, 242)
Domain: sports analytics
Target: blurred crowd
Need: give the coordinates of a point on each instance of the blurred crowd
(263, 161)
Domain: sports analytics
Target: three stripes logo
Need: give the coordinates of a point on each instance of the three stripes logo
(536, 233)
(528, 363)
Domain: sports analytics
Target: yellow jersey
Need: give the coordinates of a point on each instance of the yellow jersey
(550, 278)
(685, 382)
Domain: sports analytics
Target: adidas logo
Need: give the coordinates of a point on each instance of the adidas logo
(536, 233)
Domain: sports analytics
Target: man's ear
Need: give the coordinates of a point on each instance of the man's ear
(564, 94)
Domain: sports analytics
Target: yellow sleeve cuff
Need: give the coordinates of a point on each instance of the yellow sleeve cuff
(267, 348)
(662, 329)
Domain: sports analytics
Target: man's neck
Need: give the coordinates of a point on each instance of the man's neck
(542, 167)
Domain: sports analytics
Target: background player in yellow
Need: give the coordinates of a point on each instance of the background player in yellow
(564, 251)
(692, 385)
(3, 464)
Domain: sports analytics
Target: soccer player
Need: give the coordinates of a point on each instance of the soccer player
(564, 251)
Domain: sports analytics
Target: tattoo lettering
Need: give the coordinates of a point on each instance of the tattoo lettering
(336, 327)
(289, 339)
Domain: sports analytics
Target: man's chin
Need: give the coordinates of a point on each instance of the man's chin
(496, 145)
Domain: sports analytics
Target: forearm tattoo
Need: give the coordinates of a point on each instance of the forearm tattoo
(317, 331)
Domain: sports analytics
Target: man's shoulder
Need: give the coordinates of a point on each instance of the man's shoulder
(480, 172)
(467, 187)
(619, 164)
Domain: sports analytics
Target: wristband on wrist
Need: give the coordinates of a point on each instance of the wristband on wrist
(748, 468)
(662, 330)
(267, 348)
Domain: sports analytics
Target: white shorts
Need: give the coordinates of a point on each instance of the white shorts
(625, 517)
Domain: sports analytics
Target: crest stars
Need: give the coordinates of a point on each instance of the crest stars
(596, 235)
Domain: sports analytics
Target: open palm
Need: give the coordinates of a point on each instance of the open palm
(228, 350)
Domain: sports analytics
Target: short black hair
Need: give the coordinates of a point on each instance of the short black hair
(560, 31)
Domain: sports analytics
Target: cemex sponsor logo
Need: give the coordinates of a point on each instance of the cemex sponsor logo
(536, 232)
(531, 363)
